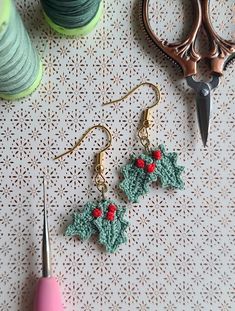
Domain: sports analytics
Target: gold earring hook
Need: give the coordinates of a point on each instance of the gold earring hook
(154, 86)
(143, 132)
(100, 155)
(99, 167)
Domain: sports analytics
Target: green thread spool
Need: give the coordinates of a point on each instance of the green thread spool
(72, 17)
(20, 66)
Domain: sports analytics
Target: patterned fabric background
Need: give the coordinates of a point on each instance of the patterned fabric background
(180, 253)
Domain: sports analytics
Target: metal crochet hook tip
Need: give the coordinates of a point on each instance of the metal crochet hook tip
(47, 294)
(46, 259)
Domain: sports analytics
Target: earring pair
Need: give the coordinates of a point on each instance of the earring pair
(103, 216)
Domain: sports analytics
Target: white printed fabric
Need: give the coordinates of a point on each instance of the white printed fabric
(180, 253)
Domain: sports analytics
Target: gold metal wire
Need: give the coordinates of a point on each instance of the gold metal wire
(154, 86)
(79, 142)
(100, 181)
(143, 133)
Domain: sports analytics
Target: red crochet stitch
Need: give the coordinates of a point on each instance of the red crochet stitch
(140, 163)
(150, 168)
(112, 208)
(96, 213)
(157, 155)
(110, 216)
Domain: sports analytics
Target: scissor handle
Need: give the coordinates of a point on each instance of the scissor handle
(221, 51)
(183, 53)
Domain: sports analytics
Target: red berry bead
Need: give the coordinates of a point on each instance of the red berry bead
(140, 163)
(150, 168)
(112, 208)
(96, 213)
(157, 155)
(110, 216)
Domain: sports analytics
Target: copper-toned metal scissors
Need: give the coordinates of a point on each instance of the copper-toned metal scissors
(221, 52)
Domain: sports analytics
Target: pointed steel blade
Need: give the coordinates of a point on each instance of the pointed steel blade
(204, 104)
(203, 101)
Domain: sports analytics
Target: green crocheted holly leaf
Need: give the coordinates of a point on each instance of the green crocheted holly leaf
(112, 232)
(168, 171)
(136, 179)
(82, 225)
(147, 168)
(103, 218)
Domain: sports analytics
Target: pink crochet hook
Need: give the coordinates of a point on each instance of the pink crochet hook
(47, 296)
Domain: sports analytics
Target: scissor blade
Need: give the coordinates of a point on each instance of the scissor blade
(203, 113)
(203, 100)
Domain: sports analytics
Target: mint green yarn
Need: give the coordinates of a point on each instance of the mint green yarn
(111, 234)
(136, 181)
(19, 62)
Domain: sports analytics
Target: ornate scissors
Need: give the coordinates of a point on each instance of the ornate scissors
(221, 52)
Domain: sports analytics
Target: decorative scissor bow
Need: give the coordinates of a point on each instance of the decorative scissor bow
(221, 52)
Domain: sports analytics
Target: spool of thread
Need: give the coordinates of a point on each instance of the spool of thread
(20, 66)
(72, 17)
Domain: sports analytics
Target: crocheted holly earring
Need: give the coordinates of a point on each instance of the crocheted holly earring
(151, 165)
(102, 216)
